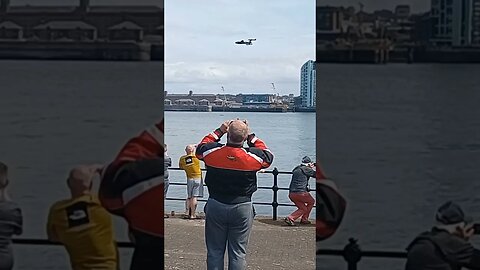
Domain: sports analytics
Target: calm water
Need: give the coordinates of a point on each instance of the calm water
(54, 115)
(400, 140)
(290, 136)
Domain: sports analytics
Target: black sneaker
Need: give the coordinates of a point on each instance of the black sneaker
(289, 222)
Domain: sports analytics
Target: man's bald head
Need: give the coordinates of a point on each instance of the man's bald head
(80, 179)
(189, 149)
(237, 132)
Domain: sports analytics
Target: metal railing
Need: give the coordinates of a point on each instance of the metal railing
(352, 254)
(275, 204)
(275, 188)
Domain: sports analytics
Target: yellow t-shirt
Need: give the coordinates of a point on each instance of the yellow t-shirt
(191, 165)
(85, 228)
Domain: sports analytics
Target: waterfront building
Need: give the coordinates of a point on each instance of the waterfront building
(126, 31)
(258, 99)
(11, 31)
(329, 22)
(476, 23)
(66, 31)
(452, 22)
(308, 84)
(117, 22)
(402, 11)
(196, 98)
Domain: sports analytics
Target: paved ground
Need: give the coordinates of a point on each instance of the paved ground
(273, 245)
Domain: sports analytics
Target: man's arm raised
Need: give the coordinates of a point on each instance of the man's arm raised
(211, 140)
(260, 149)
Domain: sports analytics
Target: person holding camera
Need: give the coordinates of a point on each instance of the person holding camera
(446, 246)
(231, 180)
(299, 192)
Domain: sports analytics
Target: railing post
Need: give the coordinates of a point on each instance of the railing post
(275, 193)
(352, 254)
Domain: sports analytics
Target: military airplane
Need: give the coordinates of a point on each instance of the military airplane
(249, 42)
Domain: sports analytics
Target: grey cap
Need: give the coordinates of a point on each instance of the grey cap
(306, 159)
(451, 213)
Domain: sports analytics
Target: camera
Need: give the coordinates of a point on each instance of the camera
(476, 228)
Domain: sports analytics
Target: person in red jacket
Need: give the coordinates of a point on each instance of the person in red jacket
(331, 206)
(231, 180)
(132, 186)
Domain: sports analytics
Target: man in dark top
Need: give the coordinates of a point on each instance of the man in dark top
(231, 180)
(446, 246)
(298, 192)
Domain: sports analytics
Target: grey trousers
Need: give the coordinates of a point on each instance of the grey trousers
(227, 226)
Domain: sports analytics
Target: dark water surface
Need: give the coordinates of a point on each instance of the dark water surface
(400, 140)
(290, 136)
(54, 115)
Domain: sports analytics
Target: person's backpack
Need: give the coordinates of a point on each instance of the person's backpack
(331, 207)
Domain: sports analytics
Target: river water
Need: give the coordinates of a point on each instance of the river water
(290, 136)
(400, 140)
(54, 115)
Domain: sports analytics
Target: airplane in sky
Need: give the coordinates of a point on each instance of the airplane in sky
(249, 42)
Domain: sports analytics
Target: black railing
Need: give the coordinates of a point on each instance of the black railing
(352, 254)
(275, 188)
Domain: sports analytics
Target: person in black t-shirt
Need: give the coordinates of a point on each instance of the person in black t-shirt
(446, 246)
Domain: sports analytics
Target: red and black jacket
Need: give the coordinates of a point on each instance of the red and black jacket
(232, 170)
(132, 185)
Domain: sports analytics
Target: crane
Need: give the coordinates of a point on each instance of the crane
(360, 20)
(275, 93)
(224, 98)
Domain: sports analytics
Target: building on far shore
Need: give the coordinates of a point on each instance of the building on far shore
(308, 84)
(228, 102)
(81, 31)
(137, 22)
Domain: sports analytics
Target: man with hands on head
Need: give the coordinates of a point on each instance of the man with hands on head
(231, 181)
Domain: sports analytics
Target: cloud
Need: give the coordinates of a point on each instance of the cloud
(200, 49)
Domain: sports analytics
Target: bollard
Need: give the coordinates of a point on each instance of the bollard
(352, 254)
(275, 193)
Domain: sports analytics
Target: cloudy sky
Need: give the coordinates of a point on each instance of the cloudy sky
(416, 5)
(201, 54)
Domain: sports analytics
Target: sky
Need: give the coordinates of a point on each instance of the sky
(201, 54)
(370, 5)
